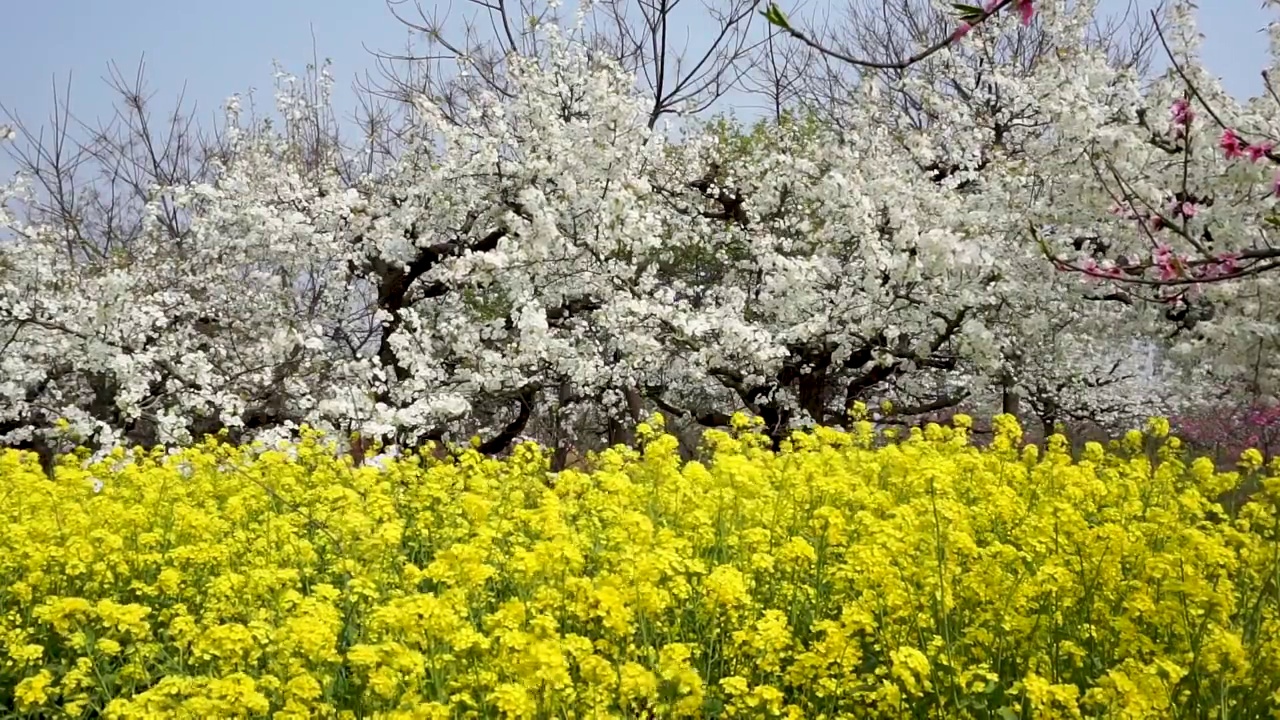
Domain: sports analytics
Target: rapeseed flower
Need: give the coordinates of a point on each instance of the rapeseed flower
(844, 575)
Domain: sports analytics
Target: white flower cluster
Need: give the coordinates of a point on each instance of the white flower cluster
(555, 254)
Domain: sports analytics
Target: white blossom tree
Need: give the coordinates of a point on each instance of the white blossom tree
(1174, 213)
(551, 258)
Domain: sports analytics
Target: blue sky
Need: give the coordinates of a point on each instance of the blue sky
(227, 46)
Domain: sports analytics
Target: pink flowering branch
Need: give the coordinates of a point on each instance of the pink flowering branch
(1231, 143)
(1235, 147)
(1153, 220)
(1168, 268)
(975, 17)
(1176, 270)
(1177, 67)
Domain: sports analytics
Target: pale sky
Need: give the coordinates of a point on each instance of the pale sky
(227, 46)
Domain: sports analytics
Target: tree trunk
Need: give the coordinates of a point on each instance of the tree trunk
(559, 441)
(1008, 396)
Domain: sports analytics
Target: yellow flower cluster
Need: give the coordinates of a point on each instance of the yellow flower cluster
(840, 577)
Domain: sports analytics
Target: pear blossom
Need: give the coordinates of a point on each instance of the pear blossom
(553, 263)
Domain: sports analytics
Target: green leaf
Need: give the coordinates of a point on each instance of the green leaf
(775, 16)
(969, 13)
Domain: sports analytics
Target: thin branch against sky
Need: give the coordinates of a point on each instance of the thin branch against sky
(214, 50)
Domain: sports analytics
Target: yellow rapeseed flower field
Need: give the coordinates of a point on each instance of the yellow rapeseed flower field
(841, 577)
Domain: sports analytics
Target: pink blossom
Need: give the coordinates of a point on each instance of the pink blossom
(1181, 112)
(1170, 265)
(961, 30)
(1225, 265)
(1186, 209)
(1123, 211)
(1257, 151)
(1231, 144)
(1228, 263)
(1026, 10)
(1091, 269)
(1226, 431)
